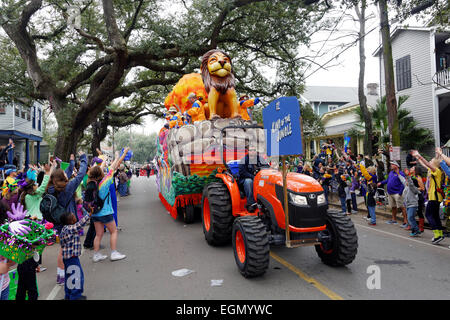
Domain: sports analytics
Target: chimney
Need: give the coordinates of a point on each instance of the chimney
(372, 89)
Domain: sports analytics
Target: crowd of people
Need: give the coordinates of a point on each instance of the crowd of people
(420, 191)
(85, 193)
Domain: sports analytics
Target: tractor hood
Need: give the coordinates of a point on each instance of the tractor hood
(296, 182)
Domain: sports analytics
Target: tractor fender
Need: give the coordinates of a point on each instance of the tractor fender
(269, 207)
(233, 188)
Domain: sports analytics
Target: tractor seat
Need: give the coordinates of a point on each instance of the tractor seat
(234, 168)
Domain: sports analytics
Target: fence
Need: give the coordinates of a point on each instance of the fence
(443, 77)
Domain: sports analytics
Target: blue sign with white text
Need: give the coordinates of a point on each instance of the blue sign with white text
(281, 119)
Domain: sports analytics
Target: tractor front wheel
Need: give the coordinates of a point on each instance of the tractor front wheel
(217, 217)
(251, 246)
(339, 242)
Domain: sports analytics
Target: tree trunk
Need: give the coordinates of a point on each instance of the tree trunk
(99, 132)
(66, 144)
(391, 101)
(362, 66)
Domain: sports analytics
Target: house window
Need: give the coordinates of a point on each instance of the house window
(33, 123)
(403, 73)
(332, 107)
(3, 108)
(39, 119)
(17, 110)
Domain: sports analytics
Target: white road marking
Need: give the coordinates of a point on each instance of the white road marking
(54, 292)
(403, 237)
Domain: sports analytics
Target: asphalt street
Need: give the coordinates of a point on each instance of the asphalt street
(389, 264)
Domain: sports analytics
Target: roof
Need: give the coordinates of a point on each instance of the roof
(400, 28)
(330, 94)
(371, 103)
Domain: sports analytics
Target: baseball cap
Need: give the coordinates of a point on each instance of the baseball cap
(9, 171)
(395, 163)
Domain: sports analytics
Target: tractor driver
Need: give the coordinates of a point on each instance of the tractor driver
(248, 168)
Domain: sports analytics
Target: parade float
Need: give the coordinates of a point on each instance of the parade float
(197, 171)
(189, 156)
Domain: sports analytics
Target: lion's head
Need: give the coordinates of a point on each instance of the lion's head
(216, 71)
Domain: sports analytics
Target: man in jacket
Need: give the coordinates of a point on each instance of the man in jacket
(395, 190)
(248, 167)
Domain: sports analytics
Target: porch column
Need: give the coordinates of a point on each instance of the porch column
(308, 149)
(27, 153)
(38, 152)
(32, 153)
(10, 156)
(316, 146)
(360, 145)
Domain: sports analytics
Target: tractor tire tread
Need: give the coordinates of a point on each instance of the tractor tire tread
(347, 241)
(257, 249)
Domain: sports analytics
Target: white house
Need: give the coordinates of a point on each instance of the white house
(339, 121)
(421, 59)
(22, 122)
(324, 99)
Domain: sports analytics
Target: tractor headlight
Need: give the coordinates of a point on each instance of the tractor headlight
(321, 198)
(298, 199)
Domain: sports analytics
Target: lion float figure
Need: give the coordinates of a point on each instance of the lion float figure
(215, 84)
(219, 83)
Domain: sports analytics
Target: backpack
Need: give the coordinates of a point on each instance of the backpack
(92, 201)
(50, 208)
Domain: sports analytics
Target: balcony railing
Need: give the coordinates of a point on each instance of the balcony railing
(443, 78)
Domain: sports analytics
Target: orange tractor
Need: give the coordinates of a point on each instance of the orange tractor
(310, 222)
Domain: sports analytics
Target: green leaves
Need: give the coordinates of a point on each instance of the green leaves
(143, 146)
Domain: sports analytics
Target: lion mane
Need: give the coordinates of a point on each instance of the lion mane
(220, 84)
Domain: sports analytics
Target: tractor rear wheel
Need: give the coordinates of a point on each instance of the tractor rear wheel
(340, 241)
(217, 217)
(189, 214)
(251, 246)
(186, 214)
